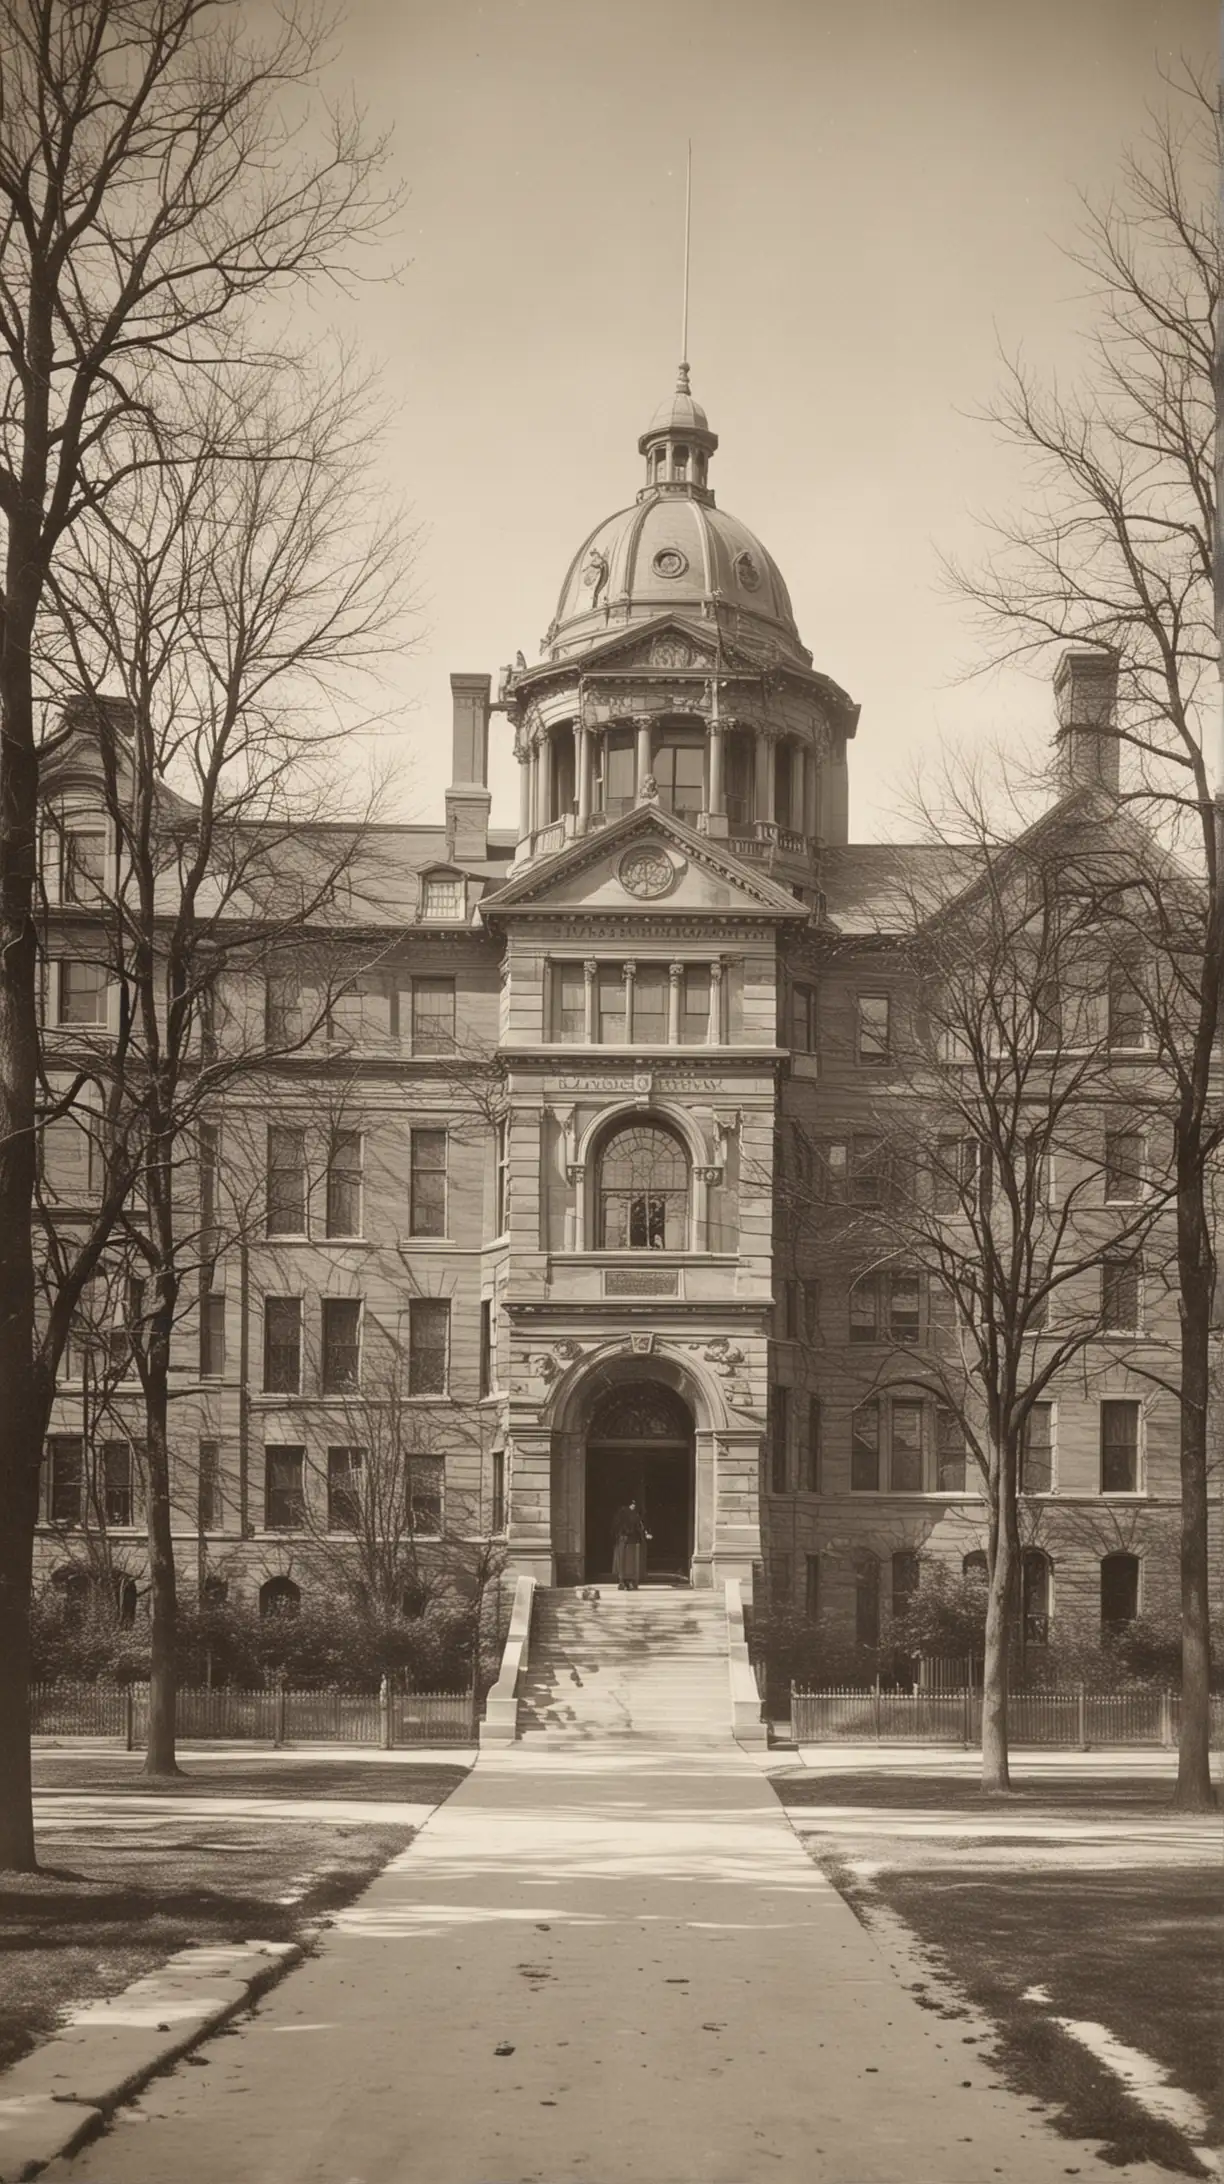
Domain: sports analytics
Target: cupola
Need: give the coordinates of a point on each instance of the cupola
(678, 444)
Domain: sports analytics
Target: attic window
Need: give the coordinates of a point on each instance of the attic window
(442, 897)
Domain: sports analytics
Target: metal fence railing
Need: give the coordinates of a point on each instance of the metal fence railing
(1077, 1720)
(272, 1716)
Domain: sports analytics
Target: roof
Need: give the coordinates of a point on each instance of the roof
(874, 887)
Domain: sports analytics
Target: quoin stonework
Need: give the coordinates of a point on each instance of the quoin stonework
(545, 1147)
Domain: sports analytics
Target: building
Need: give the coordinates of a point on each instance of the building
(674, 967)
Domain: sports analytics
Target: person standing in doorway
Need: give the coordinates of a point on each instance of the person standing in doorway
(629, 1552)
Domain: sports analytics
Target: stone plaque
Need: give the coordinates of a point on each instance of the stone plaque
(645, 1281)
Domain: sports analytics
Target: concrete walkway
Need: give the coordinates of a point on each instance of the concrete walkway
(677, 1995)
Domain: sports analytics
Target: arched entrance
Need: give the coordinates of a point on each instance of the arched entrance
(639, 1446)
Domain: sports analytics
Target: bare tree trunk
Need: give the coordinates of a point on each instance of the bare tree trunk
(160, 1757)
(1004, 1559)
(1194, 1792)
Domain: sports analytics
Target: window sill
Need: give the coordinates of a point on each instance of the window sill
(299, 1237)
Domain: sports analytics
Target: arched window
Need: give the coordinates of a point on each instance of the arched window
(643, 1190)
(1119, 1591)
(1035, 1588)
(867, 1599)
(974, 1568)
(280, 1596)
(680, 461)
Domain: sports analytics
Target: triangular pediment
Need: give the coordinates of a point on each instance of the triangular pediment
(645, 862)
(670, 644)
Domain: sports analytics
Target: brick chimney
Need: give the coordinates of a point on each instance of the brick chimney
(468, 799)
(1086, 698)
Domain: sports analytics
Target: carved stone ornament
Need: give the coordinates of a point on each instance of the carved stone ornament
(647, 872)
(747, 572)
(723, 1354)
(669, 561)
(550, 1364)
(672, 651)
(595, 574)
(641, 1345)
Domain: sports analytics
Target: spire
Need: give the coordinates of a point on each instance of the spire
(683, 386)
(679, 442)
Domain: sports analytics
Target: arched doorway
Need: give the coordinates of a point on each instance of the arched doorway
(639, 1446)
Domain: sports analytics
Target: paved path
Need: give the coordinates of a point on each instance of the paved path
(687, 2001)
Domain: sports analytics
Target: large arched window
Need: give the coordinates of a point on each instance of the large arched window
(643, 1190)
(279, 1596)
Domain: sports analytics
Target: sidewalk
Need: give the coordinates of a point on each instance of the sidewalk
(677, 1993)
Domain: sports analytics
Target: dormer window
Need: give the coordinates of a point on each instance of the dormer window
(442, 896)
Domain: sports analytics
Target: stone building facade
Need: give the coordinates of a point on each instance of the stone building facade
(672, 964)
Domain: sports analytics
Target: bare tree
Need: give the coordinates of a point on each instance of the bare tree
(983, 1179)
(158, 192)
(1116, 546)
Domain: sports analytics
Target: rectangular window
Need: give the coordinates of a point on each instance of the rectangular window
(811, 1311)
(811, 1587)
(867, 1600)
(790, 1311)
(833, 1171)
(695, 1005)
(344, 1184)
(282, 1345)
(1120, 1296)
(117, 1497)
(906, 1469)
(867, 1170)
(1120, 1448)
(283, 1024)
(865, 1309)
(811, 1454)
(501, 1178)
(83, 865)
(425, 1479)
(487, 1361)
(66, 1460)
(904, 1305)
(124, 1338)
(341, 1359)
(443, 898)
(1047, 1014)
(1037, 1451)
(70, 1156)
(906, 1579)
(83, 990)
(1123, 1167)
(284, 1493)
(650, 1005)
(209, 1150)
(427, 1184)
(873, 1045)
(497, 1498)
(950, 1452)
(344, 1477)
(803, 1019)
(569, 1003)
(619, 771)
(610, 1005)
(779, 1440)
(212, 1335)
(428, 1345)
(954, 1174)
(865, 1448)
(209, 1512)
(1127, 1017)
(433, 1015)
(680, 775)
(286, 1183)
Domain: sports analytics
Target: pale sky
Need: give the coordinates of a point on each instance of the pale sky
(881, 188)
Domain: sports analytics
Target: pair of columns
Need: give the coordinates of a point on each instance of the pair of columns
(536, 778)
(675, 983)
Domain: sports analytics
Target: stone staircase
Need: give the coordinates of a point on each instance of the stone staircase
(649, 1665)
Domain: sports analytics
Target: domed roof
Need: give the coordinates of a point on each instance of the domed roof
(680, 413)
(672, 553)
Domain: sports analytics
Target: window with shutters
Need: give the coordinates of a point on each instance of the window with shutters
(286, 1181)
(284, 1488)
(1120, 1447)
(343, 1192)
(282, 1345)
(428, 1345)
(341, 1361)
(427, 1183)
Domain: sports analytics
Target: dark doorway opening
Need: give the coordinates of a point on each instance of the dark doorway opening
(640, 1448)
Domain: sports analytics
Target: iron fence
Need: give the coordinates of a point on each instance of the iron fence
(1076, 1720)
(272, 1716)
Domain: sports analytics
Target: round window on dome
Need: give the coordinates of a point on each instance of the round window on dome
(669, 561)
(747, 571)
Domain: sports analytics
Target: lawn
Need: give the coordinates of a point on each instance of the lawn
(122, 1888)
(1135, 1946)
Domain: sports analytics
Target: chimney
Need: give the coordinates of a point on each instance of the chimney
(1086, 699)
(93, 714)
(468, 799)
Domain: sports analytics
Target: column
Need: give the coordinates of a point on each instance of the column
(589, 969)
(630, 975)
(798, 812)
(675, 977)
(718, 800)
(811, 816)
(645, 755)
(577, 1179)
(582, 760)
(714, 1033)
(545, 780)
(762, 786)
(525, 797)
(771, 779)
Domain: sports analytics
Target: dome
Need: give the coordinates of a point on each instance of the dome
(673, 553)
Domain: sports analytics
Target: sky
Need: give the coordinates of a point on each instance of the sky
(883, 191)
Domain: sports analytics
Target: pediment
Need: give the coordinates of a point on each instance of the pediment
(645, 863)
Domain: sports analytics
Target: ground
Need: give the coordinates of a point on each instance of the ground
(243, 1846)
(1080, 1900)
